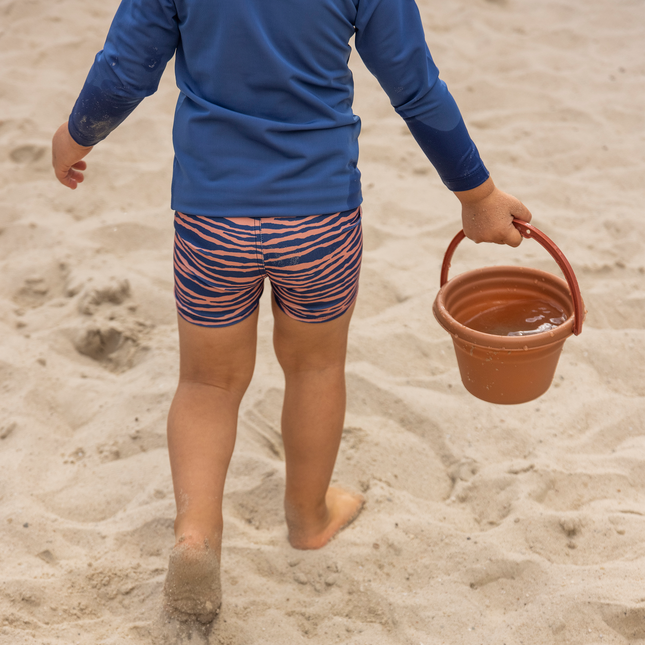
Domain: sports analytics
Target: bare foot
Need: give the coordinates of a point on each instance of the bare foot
(343, 508)
(192, 590)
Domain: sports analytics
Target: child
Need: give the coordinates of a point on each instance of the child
(266, 183)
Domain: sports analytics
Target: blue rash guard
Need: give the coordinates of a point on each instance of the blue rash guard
(264, 124)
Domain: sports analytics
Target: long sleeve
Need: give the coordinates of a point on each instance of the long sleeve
(391, 42)
(142, 39)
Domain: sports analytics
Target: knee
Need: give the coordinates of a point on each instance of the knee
(231, 380)
(309, 360)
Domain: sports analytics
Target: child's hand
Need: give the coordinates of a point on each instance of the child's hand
(66, 158)
(487, 215)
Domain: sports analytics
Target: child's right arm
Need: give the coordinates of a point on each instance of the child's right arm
(487, 214)
(66, 158)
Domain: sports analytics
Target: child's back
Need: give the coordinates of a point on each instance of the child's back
(264, 123)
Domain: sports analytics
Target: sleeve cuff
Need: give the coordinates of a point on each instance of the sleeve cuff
(472, 180)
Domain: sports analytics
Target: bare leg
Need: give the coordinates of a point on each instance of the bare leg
(312, 356)
(216, 365)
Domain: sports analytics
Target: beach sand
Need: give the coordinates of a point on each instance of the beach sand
(484, 524)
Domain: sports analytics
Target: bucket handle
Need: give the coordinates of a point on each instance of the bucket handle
(528, 231)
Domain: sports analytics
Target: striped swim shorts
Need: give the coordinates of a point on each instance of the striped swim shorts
(313, 264)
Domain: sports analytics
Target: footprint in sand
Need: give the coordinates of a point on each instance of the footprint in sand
(27, 154)
(111, 290)
(115, 345)
(112, 337)
(261, 506)
(7, 429)
(39, 288)
(628, 621)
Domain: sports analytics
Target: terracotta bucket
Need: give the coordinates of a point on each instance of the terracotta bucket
(507, 369)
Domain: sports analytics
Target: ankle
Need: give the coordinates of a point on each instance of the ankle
(198, 533)
(305, 513)
(314, 531)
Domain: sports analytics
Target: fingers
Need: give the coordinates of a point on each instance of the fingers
(505, 234)
(513, 238)
(521, 212)
(70, 176)
(73, 176)
(67, 158)
(491, 219)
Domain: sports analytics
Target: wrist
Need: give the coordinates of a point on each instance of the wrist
(475, 195)
(69, 141)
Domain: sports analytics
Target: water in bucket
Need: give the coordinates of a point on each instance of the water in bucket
(518, 318)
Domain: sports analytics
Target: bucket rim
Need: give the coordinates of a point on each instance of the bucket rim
(493, 341)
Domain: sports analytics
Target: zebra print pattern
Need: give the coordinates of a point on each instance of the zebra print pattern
(313, 264)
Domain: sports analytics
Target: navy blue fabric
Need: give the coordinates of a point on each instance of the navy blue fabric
(264, 123)
(449, 160)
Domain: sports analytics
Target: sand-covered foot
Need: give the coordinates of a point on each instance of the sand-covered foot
(343, 508)
(192, 590)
